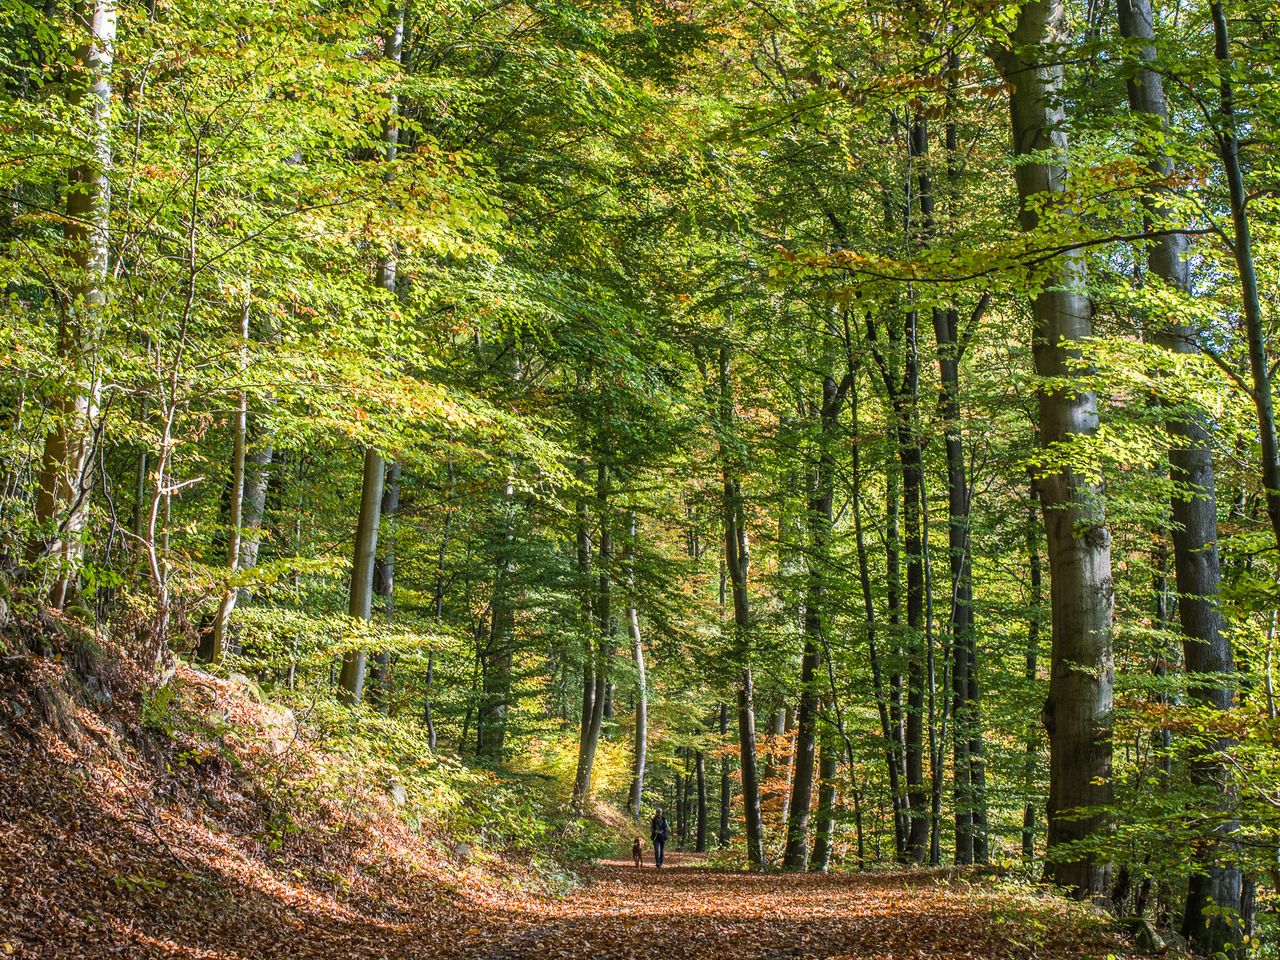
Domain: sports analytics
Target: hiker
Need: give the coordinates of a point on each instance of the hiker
(658, 832)
(637, 852)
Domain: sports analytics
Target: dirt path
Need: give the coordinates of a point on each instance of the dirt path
(688, 911)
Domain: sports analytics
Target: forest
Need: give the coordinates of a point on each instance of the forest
(467, 427)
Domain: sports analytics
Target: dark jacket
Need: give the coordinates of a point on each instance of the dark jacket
(658, 829)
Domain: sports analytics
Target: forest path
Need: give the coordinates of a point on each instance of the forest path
(687, 910)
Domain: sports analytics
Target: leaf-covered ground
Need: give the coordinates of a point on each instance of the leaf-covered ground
(118, 842)
(688, 911)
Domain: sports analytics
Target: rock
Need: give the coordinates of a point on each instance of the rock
(98, 692)
(462, 851)
(1146, 937)
(248, 685)
(398, 795)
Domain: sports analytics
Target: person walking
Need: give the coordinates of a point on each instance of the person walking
(658, 833)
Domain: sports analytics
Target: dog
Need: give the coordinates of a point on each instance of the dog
(637, 853)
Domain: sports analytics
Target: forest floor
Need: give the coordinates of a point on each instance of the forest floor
(687, 911)
(120, 841)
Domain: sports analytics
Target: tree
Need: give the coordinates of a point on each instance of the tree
(1077, 714)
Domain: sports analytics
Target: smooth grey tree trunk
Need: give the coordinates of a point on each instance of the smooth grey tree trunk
(1207, 649)
(360, 597)
(824, 821)
(726, 783)
(796, 854)
(738, 565)
(590, 740)
(903, 395)
(1035, 583)
(384, 581)
(235, 518)
(497, 658)
(257, 478)
(1260, 367)
(1078, 713)
(887, 729)
(700, 772)
(62, 498)
(642, 687)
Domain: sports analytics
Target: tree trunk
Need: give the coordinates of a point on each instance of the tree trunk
(828, 768)
(604, 621)
(1260, 367)
(1207, 650)
(902, 398)
(642, 690)
(217, 637)
(700, 767)
(62, 497)
(1078, 713)
(796, 854)
(384, 582)
(1035, 580)
(726, 783)
(498, 655)
(888, 731)
(738, 564)
(360, 597)
(438, 607)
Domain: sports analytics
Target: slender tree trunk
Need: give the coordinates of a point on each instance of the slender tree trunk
(726, 783)
(438, 607)
(888, 730)
(1035, 581)
(498, 654)
(828, 768)
(909, 453)
(257, 478)
(642, 689)
(1260, 367)
(360, 598)
(384, 582)
(700, 766)
(604, 618)
(1078, 713)
(64, 482)
(796, 854)
(738, 564)
(217, 637)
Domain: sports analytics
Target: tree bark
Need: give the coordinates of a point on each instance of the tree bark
(384, 582)
(604, 622)
(235, 519)
(726, 783)
(63, 491)
(738, 564)
(1207, 649)
(642, 689)
(360, 597)
(1035, 581)
(796, 855)
(828, 767)
(498, 655)
(888, 731)
(700, 768)
(1078, 713)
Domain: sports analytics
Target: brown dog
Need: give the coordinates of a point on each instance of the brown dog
(637, 854)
